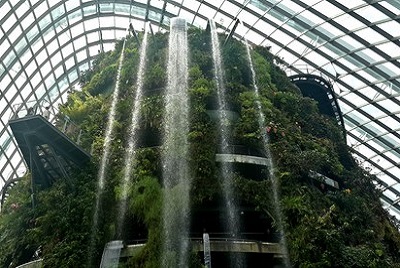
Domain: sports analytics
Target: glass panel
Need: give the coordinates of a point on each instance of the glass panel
(369, 55)
(64, 38)
(372, 110)
(311, 18)
(53, 46)
(26, 90)
(356, 100)
(106, 7)
(35, 80)
(366, 75)
(350, 4)
(73, 76)
(20, 46)
(329, 31)
(9, 58)
(67, 50)
(32, 33)
(92, 37)
(33, 2)
(350, 62)
(80, 42)
(27, 21)
(108, 34)
(91, 24)
(282, 37)
(106, 22)
(391, 106)
(58, 12)
(31, 68)
(22, 9)
(349, 22)
(323, 6)
(74, 17)
(44, 22)
(261, 5)
(41, 57)
(49, 34)
(41, 9)
(56, 59)
(81, 55)
(124, 21)
(159, 4)
(389, 121)
(60, 25)
(382, 162)
(40, 91)
(390, 48)
(222, 20)
(155, 16)
(26, 56)
(391, 5)
(69, 63)
(370, 35)
(59, 71)
(357, 117)
(71, 4)
(15, 34)
(89, 10)
(267, 29)
(349, 43)
(77, 30)
(21, 79)
(371, 14)
(125, 9)
(390, 27)
(9, 22)
(5, 8)
(50, 81)
(255, 37)
(389, 68)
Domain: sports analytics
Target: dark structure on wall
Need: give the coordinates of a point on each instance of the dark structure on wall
(321, 90)
(48, 152)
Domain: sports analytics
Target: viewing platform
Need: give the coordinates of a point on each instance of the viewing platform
(48, 152)
(218, 245)
(249, 162)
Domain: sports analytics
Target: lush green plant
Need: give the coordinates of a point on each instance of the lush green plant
(324, 227)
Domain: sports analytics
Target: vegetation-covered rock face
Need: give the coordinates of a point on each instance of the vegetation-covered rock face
(323, 227)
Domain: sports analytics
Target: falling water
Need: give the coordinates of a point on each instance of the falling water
(176, 177)
(275, 186)
(132, 134)
(226, 168)
(106, 155)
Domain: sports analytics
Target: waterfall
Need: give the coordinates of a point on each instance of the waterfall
(111, 254)
(105, 156)
(275, 184)
(232, 222)
(176, 178)
(132, 133)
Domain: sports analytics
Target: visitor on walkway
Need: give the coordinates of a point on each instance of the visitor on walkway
(46, 112)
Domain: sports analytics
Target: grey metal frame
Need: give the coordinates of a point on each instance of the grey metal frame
(346, 58)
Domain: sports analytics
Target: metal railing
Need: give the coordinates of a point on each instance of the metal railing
(51, 114)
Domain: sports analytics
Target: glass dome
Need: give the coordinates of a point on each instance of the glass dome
(46, 45)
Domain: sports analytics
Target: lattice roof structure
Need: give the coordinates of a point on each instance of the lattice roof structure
(354, 45)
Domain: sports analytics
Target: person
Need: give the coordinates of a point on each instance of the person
(30, 111)
(46, 112)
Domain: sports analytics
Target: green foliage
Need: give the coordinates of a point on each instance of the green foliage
(236, 63)
(17, 238)
(324, 227)
(102, 81)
